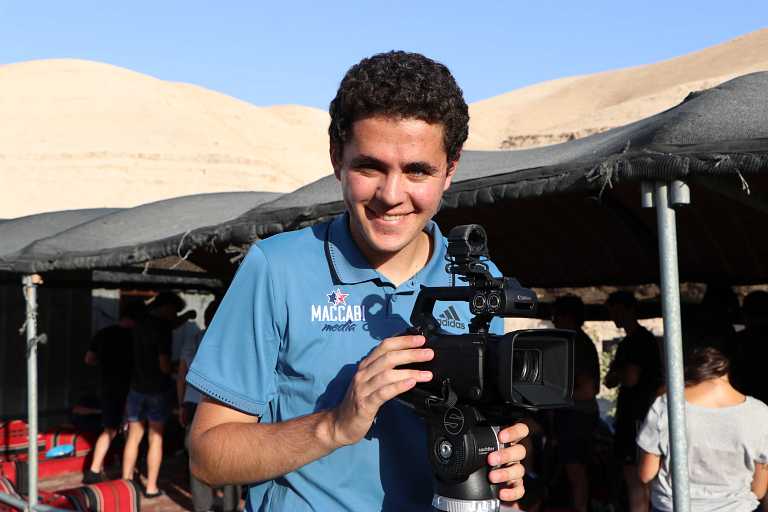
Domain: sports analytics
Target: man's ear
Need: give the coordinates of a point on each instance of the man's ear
(335, 160)
(451, 169)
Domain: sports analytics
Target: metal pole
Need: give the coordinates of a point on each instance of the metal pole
(30, 283)
(22, 504)
(673, 341)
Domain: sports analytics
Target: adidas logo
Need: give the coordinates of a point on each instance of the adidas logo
(449, 318)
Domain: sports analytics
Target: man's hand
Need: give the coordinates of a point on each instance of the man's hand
(512, 473)
(377, 381)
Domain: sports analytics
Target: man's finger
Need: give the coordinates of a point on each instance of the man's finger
(390, 345)
(514, 491)
(514, 433)
(507, 473)
(508, 455)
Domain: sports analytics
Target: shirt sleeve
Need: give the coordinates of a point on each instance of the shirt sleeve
(761, 451)
(165, 347)
(94, 345)
(236, 361)
(653, 435)
(642, 351)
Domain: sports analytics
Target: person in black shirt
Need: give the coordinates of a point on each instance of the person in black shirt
(637, 370)
(574, 425)
(112, 350)
(754, 344)
(151, 391)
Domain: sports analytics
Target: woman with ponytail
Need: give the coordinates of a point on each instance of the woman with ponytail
(727, 434)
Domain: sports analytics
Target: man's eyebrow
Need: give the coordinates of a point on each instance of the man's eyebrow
(422, 166)
(362, 160)
(367, 160)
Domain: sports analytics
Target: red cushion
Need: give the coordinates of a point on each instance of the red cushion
(112, 496)
(14, 439)
(82, 440)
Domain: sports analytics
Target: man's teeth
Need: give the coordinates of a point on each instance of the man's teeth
(390, 217)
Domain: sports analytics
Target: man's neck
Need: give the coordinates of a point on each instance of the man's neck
(401, 266)
(631, 328)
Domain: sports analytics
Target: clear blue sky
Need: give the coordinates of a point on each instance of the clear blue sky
(290, 51)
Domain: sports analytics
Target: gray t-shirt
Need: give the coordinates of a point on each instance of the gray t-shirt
(723, 445)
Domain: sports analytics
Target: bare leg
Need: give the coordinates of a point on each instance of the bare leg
(100, 450)
(131, 452)
(154, 455)
(639, 493)
(577, 476)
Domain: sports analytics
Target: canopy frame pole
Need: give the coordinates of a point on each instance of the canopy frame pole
(665, 196)
(30, 283)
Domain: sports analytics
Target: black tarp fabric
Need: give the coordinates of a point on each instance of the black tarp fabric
(115, 237)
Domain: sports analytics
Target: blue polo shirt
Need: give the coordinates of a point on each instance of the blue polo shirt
(303, 310)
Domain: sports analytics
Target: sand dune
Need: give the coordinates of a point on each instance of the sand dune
(80, 134)
(550, 112)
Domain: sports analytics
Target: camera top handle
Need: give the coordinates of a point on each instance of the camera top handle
(487, 296)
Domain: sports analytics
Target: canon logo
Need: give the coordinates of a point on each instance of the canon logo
(523, 297)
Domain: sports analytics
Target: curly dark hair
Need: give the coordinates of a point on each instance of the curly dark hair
(400, 85)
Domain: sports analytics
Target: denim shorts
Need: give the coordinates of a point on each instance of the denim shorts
(155, 406)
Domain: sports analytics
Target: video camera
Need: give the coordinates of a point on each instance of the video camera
(482, 382)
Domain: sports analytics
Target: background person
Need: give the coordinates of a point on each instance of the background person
(112, 350)
(574, 425)
(636, 369)
(754, 344)
(727, 438)
(717, 312)
(202, 499)
(151, 391)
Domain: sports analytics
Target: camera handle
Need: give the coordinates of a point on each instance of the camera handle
(458, 442)
(421, 318)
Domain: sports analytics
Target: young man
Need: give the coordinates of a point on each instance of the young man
(637, 370)
(298, 367)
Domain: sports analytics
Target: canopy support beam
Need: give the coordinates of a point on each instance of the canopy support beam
(30, 283)
(665, 195)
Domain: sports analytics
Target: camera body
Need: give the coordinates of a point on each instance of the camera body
(482, 382)
(531, 368)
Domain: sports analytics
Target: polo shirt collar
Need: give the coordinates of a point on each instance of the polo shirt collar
(350, 265)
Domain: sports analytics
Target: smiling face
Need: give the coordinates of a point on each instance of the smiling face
(393, 173)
